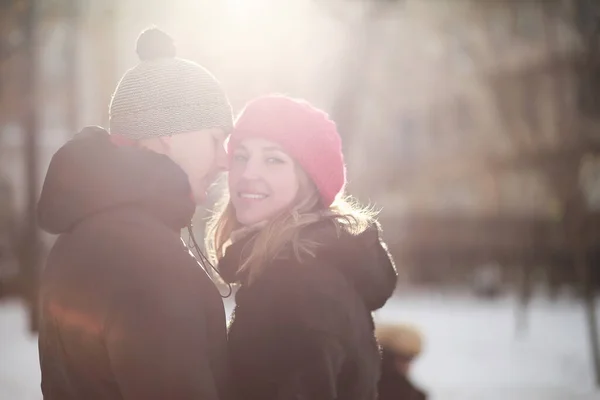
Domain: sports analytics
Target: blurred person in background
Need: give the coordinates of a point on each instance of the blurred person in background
(127, 311)
(487, 281)
(400, 346)
(310, 263)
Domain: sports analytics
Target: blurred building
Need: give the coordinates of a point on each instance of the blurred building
(473, 136)
(454, 89)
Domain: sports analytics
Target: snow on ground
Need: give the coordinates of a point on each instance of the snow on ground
(472, 352)
(19, 367)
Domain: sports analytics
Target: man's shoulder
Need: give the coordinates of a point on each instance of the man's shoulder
(131, 230)
(133, 243)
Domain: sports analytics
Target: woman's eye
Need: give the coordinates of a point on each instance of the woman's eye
(239, 158)
(274, 160)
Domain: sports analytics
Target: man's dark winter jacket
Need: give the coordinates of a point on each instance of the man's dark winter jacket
(127, 311)
(304, 330)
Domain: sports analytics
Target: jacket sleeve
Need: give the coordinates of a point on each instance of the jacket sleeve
(156, 338)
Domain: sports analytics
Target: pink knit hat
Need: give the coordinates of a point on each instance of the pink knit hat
(303, 131)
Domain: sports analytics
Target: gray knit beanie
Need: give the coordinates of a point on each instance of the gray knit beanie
(164, 95)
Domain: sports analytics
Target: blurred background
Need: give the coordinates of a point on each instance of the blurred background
(472, 125)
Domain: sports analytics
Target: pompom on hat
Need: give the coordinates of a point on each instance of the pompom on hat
(303, 131)
(164, 95)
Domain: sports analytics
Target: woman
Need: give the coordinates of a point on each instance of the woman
(310, 265)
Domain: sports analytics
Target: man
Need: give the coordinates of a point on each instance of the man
(127, 312)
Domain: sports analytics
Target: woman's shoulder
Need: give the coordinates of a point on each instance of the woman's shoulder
(331, 232)
(355, 258)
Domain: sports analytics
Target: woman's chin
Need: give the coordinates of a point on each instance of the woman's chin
(243, 218)
(250, 221)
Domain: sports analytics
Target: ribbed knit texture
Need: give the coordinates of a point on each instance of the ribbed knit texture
(164, 96)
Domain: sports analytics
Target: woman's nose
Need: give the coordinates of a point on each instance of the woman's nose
(252, 169)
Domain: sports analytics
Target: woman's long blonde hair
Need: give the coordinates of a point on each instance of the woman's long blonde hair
(284, 229)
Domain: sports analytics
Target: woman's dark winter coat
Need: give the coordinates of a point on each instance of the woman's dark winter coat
(395, 386)
(304, 330)
(127, 311)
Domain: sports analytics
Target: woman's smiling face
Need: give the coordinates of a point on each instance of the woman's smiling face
(263, 181)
